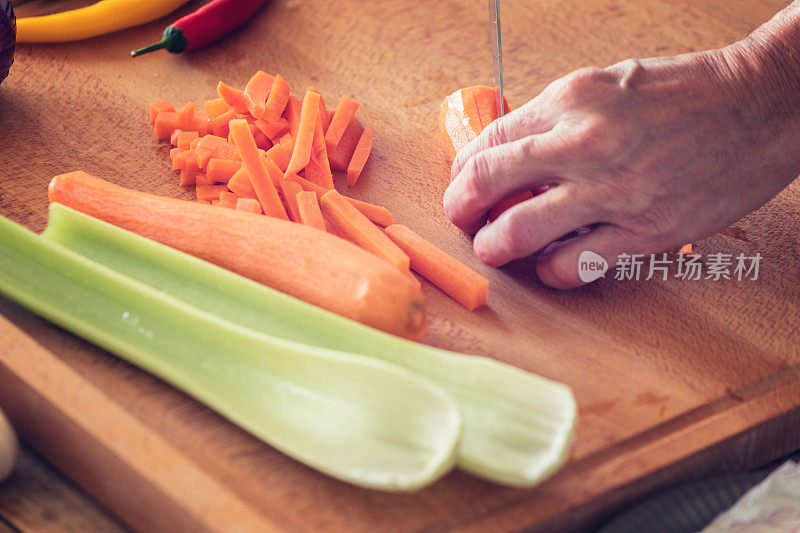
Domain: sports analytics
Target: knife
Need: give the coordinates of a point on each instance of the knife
(497, 53)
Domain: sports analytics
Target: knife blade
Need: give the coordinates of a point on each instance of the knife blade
(497, 53)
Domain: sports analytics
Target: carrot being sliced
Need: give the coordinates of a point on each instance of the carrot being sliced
(289, 190)
(256, 92)
(341, 118)
(308, 210)
(340, 158)
(506, 204)
(486, 104)
(281, 154)
(208, 192)
(249, 205)
(256, 168)
(215, 107)
(278, 98)
(454, 278)
(359, 158)
(241, 185)
(318, 169)
(323, 111)
(301, 154)
(272, 129)
(351, 223)
(377, 214)
(222, 170)
(166, 122)
(157, 107)
(232, 97)
(292, 114)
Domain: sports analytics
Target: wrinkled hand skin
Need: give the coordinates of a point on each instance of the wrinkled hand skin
(649, 153)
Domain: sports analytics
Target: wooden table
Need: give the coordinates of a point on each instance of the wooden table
(675, 379)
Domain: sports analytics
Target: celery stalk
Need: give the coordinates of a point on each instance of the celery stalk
(355, 418)
(518, 427)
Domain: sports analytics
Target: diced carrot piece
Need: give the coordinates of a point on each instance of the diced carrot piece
(207, 202)
(224, 203)
(301, 154)
(222, 170)
(202, 179)
(157, 107)
(241, 185)
(454, 278)
(289, 190)
(281, 154)
(360, 230)
(292, 114)
(377, 214)
(208, 147)
(228, 196)
(262, 141)
(182, 139)
(200, 123)
(190, 168)
(323, 112)
(209, 192)
(308, 209)
(173, 139)
(185, 116)
(340, 158)
(219, 124)
(286, 138)
(256, 92)
(248, 204)
(277, 100)
(341, 118)
(359, 158)
(175, 151)
(272, 129)
(256, 167)
(215, 107)
(194, 143)
(232, 97)
(318, 169)
(686, 249)
(166, 122)
(178, 161)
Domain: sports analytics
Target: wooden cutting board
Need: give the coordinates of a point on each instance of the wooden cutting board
(674, 379)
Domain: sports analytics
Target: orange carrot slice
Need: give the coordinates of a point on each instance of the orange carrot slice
(454, 278)
(222, 170)
(289, 190)
(165, 123)
(323, 112)
(219, 124)
(292, 115)
(157, 107)
(377, 214)
(232, 97)
(199, 123)
(208, 192)
(228, 196)
(255, 164)
(340, 158)
(241, 185)
(256, 92)
(249, 205)
(185, 116)
(359, 158)
(281, 154)
(202, 179)
(357, 228)
(278, 98)
(275, 173)
(308, 210)
(318, 169)
(341, 118)
(272, 129)
(190, 169)
(262, 141)
(215, 107)
(301, 154)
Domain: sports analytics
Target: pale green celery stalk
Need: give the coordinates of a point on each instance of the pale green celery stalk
(518, 427)
(355, 418)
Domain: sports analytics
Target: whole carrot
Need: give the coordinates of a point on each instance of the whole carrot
(203, 27)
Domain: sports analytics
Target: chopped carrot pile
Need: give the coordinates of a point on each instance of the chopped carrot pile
(265, 151)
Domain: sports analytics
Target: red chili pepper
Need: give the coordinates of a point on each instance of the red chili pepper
(203, 27)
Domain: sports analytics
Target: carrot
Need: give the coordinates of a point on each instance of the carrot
(507, 203)
(190, 169)
(686, 249)
(215, 107)
(377, 214)
(340, 158)
(341, 119)
(469, 103)
(208, 192)
(308, 210)
(318, 169)
(256, 168)
(177, 162)
(202, 180)
(256, 92)
(232, 97)
(262, 141)
(185, 116)
(275, 173)
(208, 147)
(165, 123)
(182, 139)
(272, 129)
(281, 154)
(454, 134)
(219, 124)
(303, 262)
(359, 158)
(292, 114)
(323, 112)
(249, 205)
(486, 104)
(301, 154)
(157, 107)
(454, 278)
(222, 170)
(289, 190)
(241, 185)
(278, 98)
(349, 221)
(228, 196)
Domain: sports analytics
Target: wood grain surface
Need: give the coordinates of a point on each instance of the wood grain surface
(674, 379)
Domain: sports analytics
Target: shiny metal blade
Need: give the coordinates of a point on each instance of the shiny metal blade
(497, 53)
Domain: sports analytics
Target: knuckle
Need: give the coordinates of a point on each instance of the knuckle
(517, 233)
(583, 81)
(477, 179)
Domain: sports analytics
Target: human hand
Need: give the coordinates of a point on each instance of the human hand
(649, 153)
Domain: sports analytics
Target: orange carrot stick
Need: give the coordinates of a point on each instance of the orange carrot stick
(357, 228)
(241, 185)
(323, 112)
(157, 107)
(289, 190)
(308, 209)
(249, 205)
(256, 92)
(293, 258)
(341, 118)
(359, 158)
(292, 115)
(318, 169)
(278, 98)
(340, 158)
(272, 129)
(232, 97)
(208, 192)
(281, 154)
(377, 214)
(254, 162)
(301, 154)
